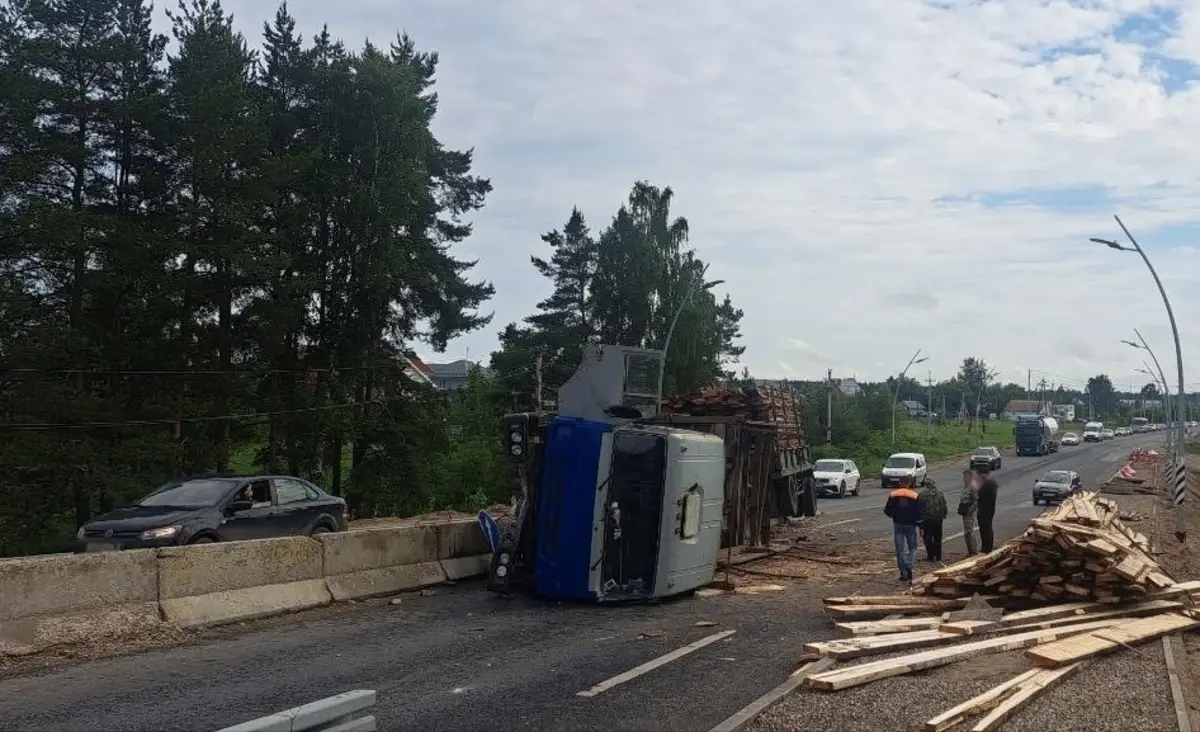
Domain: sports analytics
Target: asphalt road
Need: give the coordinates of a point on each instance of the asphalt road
(463, 659)
(1095, 462)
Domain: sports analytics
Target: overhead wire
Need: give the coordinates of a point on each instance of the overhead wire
(44, 426)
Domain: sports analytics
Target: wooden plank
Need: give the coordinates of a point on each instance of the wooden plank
(905, 600)
(881, 627)
(844, 649)
(1069, 650)
(865, 673)
(859, 611)
(1182, 718)
(955, 715)
(1025, 694)
(1153, 607)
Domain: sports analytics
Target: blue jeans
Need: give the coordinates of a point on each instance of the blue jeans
(904, 535)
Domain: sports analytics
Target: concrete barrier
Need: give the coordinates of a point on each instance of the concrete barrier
(211, 584)
(374, 562)
(66, 599)
(462, 549)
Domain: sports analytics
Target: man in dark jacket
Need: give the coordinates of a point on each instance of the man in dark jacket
(988, 490)
(904, 509)
(934, 510)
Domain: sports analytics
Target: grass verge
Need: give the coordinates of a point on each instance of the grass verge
(937, 442)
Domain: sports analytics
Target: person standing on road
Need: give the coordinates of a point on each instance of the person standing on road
(968, 508)
(933, 511)
(988, 491)
(904, 509)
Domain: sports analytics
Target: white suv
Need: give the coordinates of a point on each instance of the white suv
(904, 464)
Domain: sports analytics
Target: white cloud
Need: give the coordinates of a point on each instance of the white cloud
(868, 176)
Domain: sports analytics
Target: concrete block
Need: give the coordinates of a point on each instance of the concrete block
(376, 562)
(458, 539)
(72, 598)
(464, 567)
(210, 584)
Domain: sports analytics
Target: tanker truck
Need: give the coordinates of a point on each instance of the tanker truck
(1035, 435)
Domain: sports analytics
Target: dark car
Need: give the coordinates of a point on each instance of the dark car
(987, 458)
(216, 508)
(1055, 486)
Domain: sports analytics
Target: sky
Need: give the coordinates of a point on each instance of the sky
(869, 177)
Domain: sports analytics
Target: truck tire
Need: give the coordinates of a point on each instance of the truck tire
(784, 497)
(808, 496)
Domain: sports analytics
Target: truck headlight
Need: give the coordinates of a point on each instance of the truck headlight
(164, 532)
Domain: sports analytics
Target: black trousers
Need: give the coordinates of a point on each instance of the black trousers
(986, 537)
(931, 529)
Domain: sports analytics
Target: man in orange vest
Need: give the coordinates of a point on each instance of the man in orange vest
(904, 509)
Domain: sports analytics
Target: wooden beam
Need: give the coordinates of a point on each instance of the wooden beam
(844, 649)
(881, 627)
(1023, 695)
(1005, 624)
(865, 673)
(1105, 640)
(976, 704)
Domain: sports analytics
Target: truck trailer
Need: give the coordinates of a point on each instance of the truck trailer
(1035, 435)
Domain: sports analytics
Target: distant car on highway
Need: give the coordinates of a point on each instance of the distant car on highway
(208, 509)
(1122, 432)
(1107, 434)
(1069, 438)
(1055, 485)
(836, 478)
(987, 458)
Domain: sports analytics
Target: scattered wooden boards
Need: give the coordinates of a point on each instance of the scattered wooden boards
(881, 627)
(1105, 640)
(1002, 701)
(865, 673)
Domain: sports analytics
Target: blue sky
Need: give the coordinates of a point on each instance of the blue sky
(868, 177)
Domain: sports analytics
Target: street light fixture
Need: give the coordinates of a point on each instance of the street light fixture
(896, 392)
(697, 283)
(1180, 468)
(1167, 411)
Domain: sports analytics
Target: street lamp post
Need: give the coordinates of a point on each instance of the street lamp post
(1180, 466)
(896, 392)
(1167, 411)
(697, 283)
(1164, 389)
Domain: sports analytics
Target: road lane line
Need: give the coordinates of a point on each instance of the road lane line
(649, 666)
(837, 523)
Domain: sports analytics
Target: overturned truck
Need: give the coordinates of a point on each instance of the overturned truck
(768, 471)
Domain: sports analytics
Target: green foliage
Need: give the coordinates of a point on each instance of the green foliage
(936, 442)
(216, 260)
(622, 287)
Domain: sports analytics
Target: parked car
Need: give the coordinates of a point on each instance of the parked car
(904, 464)
(1055, 485)
(207, 509)
(836, 478)
(1069, 438)
(1107, 434)
(986, 458)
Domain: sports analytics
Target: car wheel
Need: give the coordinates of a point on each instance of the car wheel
(322, 529)
(998, 463)
(842, 490)
(857, 488)
(1035, 501)
(202, 540)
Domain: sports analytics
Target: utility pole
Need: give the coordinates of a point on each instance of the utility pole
(537, 372)
(1028, 384)
(829, 409)
(929, 409)
(942, 411)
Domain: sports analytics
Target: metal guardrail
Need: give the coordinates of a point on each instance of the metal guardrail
(335, 714)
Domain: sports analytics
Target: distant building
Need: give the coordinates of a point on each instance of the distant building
(913, 408)
(849, 387)
(451, 376)
(1023, 406)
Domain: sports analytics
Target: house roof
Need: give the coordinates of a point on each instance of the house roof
(1023, 405)
(912, 404)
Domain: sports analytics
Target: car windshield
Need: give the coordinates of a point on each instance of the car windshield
(829, 466)
(983, 452)
(1057, 476)
(198, 493)
(900, 462)
(1070, 434)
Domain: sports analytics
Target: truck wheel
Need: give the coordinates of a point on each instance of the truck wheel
(786, 502)
(808, 497)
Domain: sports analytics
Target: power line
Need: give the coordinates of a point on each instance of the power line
(187, 372)
(44, 426)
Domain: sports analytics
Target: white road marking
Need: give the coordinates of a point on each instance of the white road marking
(663, 660)
(837, 523)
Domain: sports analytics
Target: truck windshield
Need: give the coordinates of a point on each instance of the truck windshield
(900, 462)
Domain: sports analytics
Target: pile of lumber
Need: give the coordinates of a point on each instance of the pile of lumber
(1079, 550)
(759, 405)
(1076, 585)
